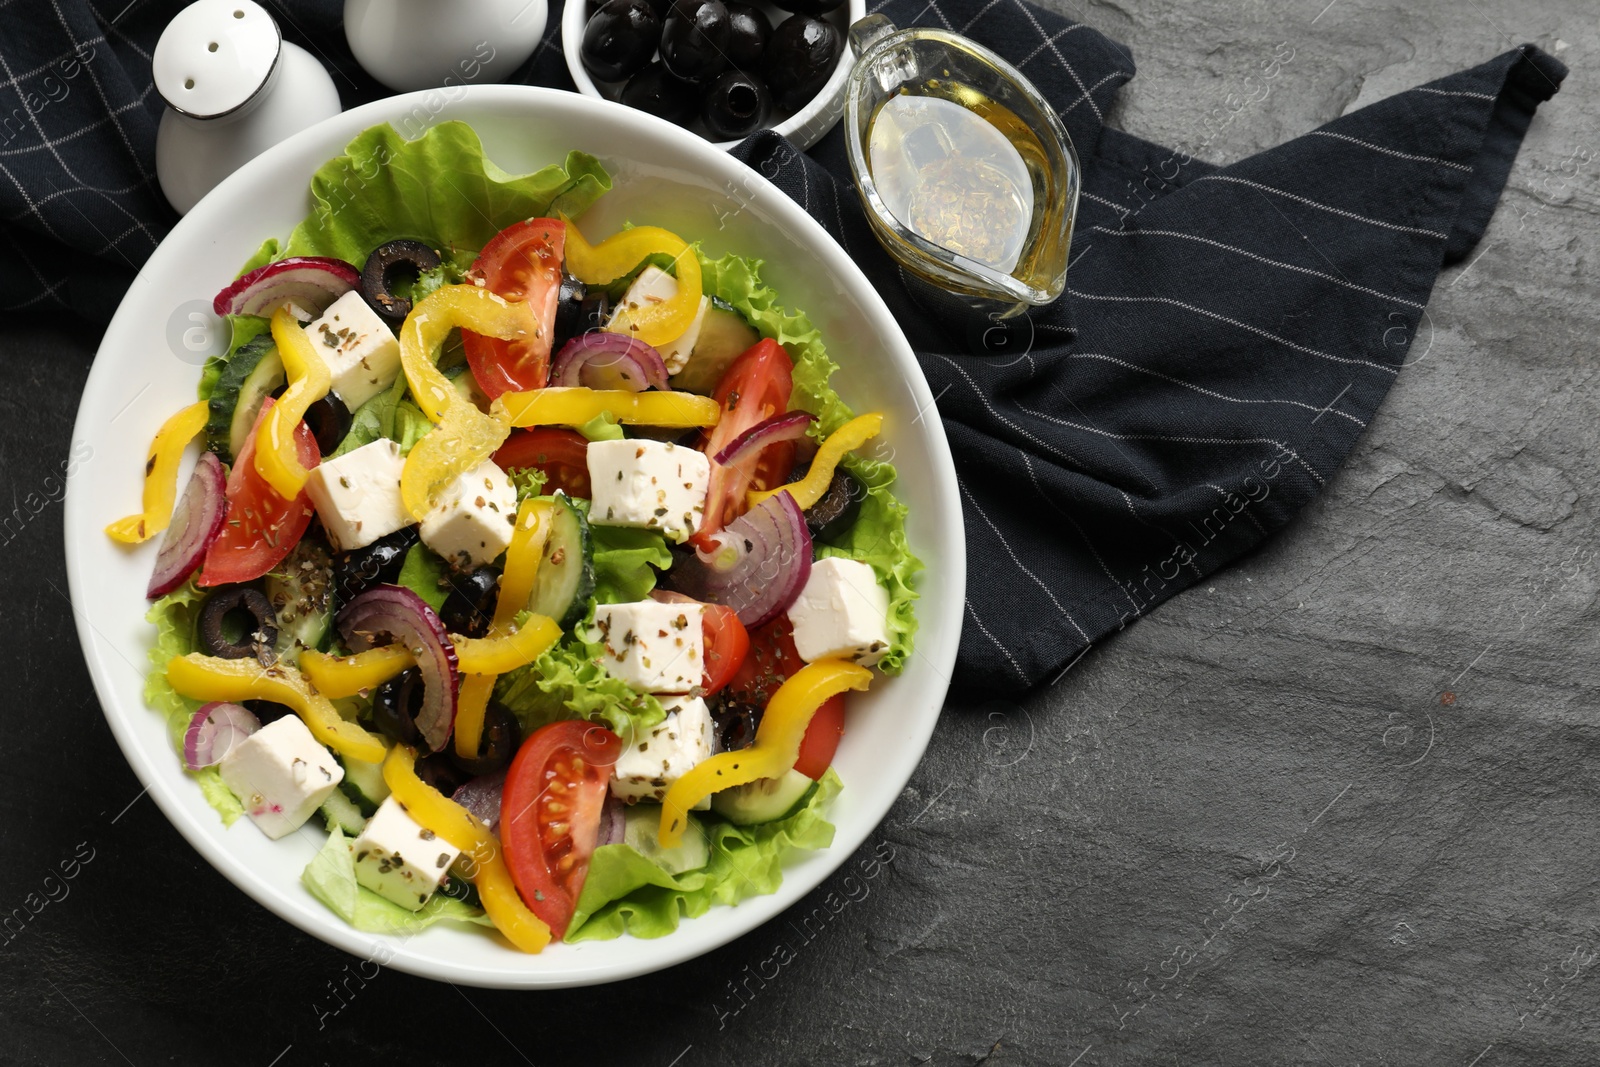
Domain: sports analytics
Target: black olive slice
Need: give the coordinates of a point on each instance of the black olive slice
(387, 268)
(238, 622)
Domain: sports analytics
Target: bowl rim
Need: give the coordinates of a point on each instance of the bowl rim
(938, 635)
(831, 95)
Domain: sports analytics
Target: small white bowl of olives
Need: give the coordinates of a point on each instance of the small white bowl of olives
(721, 68)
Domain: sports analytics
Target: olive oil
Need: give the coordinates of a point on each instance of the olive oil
(963, 172)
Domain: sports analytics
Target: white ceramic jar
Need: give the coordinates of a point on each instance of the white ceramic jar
(432, 44)
(234, 88)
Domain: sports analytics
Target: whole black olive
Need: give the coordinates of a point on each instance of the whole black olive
(395, 705)
(594, 312)
(736, 104)
(832, 516)
(329, 420)
(502, 736)
(377, 564)
(390, 266)
(620, 38)
(748, 33)
(439, 772)
(735, 722)
(462, 890)
(569, 310)
(469, 608)
(808, 7)
(242, 611)
(800, 59)
(656, 91)
(694, 40)
(268, 710)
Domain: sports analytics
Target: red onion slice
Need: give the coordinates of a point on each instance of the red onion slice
(742, 450)
(481, 796)
(387, 613)
(761, 562)
(613, 821)
(603, 360)
(310, 282)
(195, 524)
(215, 729)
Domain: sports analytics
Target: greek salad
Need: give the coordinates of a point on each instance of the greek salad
(534, 564)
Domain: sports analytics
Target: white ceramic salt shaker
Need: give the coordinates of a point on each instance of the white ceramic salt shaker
(432, 44)
(234, 88)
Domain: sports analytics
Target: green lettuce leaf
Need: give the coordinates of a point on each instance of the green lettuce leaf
(331, 878)
(439, 189)
(626, 560)
(878, 537)
(625, 892)
(426, 575)
(175, 617)
(390, 414)
(528, 482)
(603, 427)
(569, 681)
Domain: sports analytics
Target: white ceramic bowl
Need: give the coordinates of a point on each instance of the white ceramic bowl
(145, 370)
(805, 127)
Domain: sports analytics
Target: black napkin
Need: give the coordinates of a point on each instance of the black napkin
(1226, 335)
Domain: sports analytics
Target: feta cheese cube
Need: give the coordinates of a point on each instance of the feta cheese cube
(400, 860)
(666, 752)
(281, 775)
(842, 611)
(357, 495)
(654, 484)
(653, 286)
(471, 523)
(359, 348)
(653, 647)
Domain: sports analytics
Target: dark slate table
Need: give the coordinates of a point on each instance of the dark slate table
(1337, 806)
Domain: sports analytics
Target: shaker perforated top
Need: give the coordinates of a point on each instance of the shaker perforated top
(215, 56)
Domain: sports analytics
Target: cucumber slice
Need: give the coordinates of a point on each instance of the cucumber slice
(763, 800)
(246, 382)
(565, 581)
(338, 810)
(724, 337)
(363, 785)
(641, 824)
(300, 590)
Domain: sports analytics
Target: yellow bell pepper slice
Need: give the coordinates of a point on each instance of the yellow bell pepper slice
(464, 438)
(620, 253)
(430, 323)
(777, 744)
(336, 677)
(345, 676)
(575, 405)
(846, 439)
(449, 820)
(210, 678)
(161, 476)
(528, 537)
(277, 459)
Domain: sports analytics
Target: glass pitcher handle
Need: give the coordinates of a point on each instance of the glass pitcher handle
(866, 32)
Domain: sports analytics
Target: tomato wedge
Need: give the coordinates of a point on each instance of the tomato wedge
(822, 739)
(550, 814)
(755, 387)
(521, 262)
(261, 527)
(727, 644)
(560, 453)
(772, 659)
